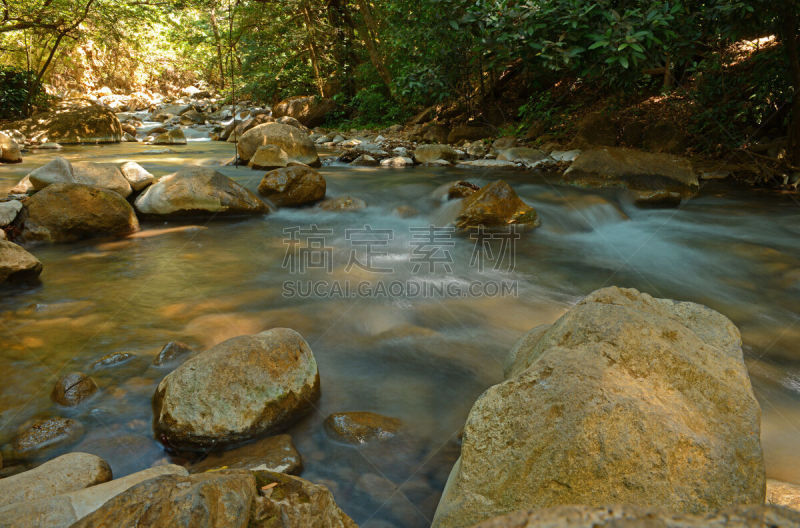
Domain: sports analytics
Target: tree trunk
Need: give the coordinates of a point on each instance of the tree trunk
(218, 41)
(791, 42)
(370, 30)
(312, 49)
(342, 23)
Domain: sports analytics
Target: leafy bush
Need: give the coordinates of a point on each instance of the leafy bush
(14, 86)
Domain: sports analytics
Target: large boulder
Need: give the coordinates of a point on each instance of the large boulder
(105, 175)
(65, 212)
(198, 190)
(70, 472)
(745, 516)
(16, 264)
(293, 186)
(74, 122)
(9, 150)
(495, 205)
(239, 389)
(634, 169)
(295, 143)
(220, 499)
(292, 502)
(310, 110)
(63, 509)
(625, 399)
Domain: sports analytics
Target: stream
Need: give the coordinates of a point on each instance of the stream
(421, 358)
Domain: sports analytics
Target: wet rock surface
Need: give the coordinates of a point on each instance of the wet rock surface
(361, 427)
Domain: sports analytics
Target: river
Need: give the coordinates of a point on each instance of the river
(421, 358)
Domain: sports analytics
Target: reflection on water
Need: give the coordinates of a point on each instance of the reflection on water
(422, 360)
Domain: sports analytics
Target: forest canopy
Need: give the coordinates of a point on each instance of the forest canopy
(384, 60)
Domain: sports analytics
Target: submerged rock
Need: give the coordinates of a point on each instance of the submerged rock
(343, 203)
(65, 212)
(293, 186)
(461, 189)
(41, 435)
(626, 398)
(294, 142)
(642, 171)
(198, 190)
(112, 359)
(361, 427)
(658, 199)
(171, 352)
(289, 501)
(16, 264)
(70, 472)
(221, 499)
(239, 389)
(275, 453)
(72, 389)
(746, 516)
(495, 205)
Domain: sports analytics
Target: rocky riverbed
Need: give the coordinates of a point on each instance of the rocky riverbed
(164, 347)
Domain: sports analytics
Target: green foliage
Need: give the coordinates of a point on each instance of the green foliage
(15, 85)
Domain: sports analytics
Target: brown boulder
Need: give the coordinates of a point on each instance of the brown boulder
(16, 264)
(72, 389)
(9, 150)
(310, 110)
(294, 142)
(495, 205)
(293, 186)
(74, 122)
(65, 212)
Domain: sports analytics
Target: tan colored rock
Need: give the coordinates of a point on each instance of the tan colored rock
(293, 186)
(754, 516)
(104, 175)
(361, 427)
(171, 137)
(434, 152)
(634, 169)
(70, 472)
(294, 142)
(65, 212)
(625, 398)
(9, 211)
(293, 502)
(73, 122)
(274, 453)
(783, 494)
(16, 264)
(268, 157)
(310, 110)
(221, 499)
(59, 170)
(198, 190)
(73, 388)
(61, 511)
(9, 150)
(495, 205)
(137, 176)
(524, 155)
(239, 389)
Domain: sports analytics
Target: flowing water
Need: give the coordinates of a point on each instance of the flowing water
(421, 358)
